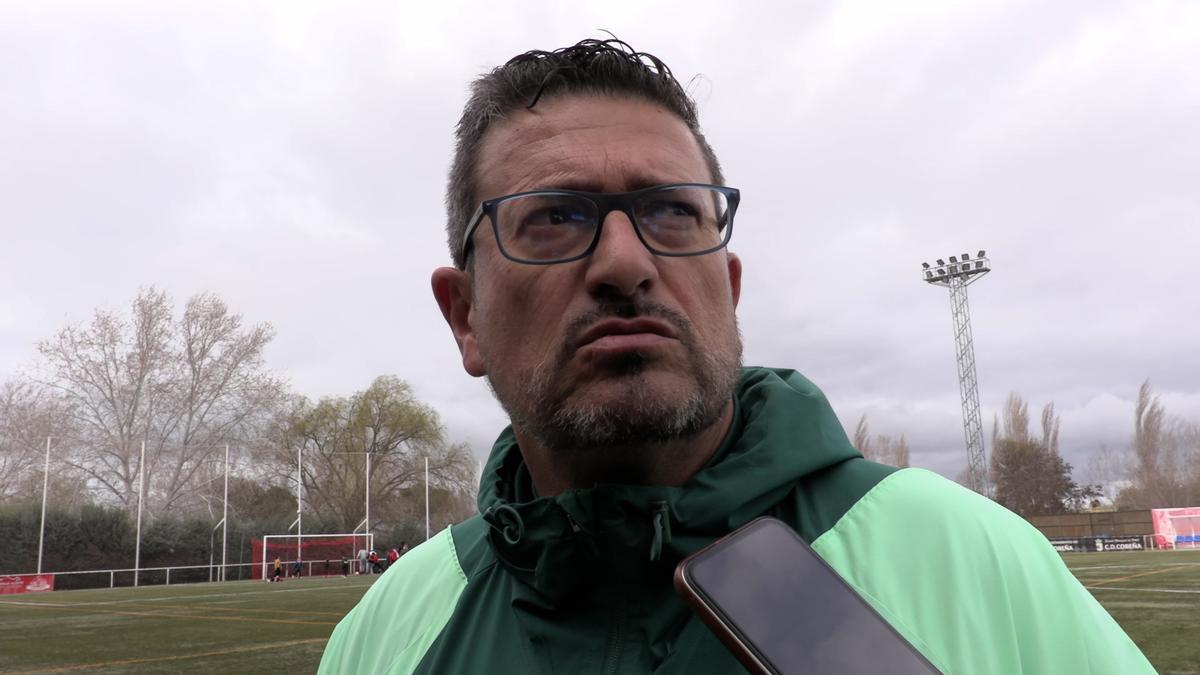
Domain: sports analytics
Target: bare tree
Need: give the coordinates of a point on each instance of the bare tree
(883, 449)
(1109, 468)
(1030, 476)
(1165, 450)
(1015, 419)
(862, 437)
(182, 387)
(1050, 425)
(28, 415)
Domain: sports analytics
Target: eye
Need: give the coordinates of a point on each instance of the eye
(556, 215)
(672, 210)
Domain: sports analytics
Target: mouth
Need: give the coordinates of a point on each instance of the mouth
(625, 335)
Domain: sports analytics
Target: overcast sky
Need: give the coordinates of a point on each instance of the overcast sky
(292, 157)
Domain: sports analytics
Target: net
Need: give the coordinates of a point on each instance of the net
(319, 554)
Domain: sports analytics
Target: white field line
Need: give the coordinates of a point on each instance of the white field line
(1136, 566)
(1143, 590)
(167, 597)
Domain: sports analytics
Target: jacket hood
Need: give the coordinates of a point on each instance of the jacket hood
(783, 429)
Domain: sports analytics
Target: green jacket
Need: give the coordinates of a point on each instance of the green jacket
(580, 583)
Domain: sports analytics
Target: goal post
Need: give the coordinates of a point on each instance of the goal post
(1177, 528)
(309, 549)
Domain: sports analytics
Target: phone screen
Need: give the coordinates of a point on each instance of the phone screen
(770, 590)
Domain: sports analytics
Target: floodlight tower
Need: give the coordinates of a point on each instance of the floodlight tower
(957, 275)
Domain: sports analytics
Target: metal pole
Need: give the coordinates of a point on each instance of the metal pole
(211, 546)
(299, 510)
(225, 516)
(426, 498)
(137, 555)
(367, 521)
(45, 486)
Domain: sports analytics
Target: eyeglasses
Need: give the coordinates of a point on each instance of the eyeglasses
(544, 227)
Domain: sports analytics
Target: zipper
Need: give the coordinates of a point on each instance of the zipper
(616, 641)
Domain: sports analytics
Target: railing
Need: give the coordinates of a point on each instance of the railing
(184, 574)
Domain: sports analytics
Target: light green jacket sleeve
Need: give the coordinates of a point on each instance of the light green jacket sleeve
(397, 620)
(973, 586)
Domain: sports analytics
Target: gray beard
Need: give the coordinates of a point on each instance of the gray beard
(638, 416)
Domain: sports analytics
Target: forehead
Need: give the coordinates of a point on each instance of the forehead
(595, 143)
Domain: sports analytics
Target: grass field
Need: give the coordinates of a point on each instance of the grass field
(252, 627)
(233, 627)
(1154, 596)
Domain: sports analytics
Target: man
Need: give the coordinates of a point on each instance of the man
(592, 287)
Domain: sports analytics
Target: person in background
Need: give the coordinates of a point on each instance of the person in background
(277, 571)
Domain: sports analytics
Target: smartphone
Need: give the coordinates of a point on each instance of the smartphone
(783, 610)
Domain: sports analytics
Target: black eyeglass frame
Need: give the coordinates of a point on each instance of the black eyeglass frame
(606, 203)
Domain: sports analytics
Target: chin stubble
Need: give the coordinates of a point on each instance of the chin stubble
(543, 407)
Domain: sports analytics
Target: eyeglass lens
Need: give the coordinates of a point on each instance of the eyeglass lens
(553, 226)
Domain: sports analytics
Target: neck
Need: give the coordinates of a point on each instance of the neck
(555, 470)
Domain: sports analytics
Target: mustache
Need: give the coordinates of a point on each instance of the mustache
(626, 309)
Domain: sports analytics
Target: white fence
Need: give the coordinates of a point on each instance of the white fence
(184, 574)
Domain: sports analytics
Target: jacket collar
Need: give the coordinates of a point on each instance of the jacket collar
(782, 430)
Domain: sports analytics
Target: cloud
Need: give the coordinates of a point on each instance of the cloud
(292, 158)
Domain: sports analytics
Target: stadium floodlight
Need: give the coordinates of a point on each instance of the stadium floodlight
(925, 265)
(982, 254)
(965, 257)
(957, 277)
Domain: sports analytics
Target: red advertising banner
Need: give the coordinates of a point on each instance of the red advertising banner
(26, 583)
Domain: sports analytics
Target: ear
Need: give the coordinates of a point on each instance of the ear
(452, 290)
(735, 276)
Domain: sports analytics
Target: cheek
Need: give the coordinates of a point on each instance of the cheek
(519, 319)
(709, 303)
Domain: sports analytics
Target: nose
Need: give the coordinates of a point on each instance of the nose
(620, 264)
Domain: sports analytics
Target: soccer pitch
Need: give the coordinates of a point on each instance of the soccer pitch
(1155, 596)
(254, 627)
(233, 627)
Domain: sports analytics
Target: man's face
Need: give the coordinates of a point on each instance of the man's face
(622, 347)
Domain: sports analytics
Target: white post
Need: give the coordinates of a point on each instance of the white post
(225, 517)
(45, 486)
(367, 521)
(137, 555)
(426, 498)
(299, 511)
